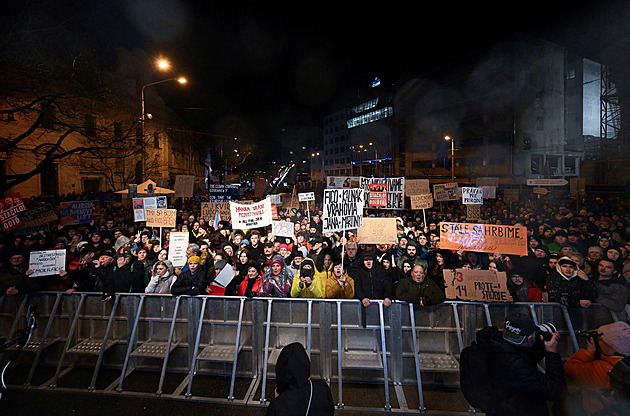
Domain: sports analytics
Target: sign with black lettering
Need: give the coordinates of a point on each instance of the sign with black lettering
(343, 209)
(476, 285)
(472, 196)
(395, 191)
(246, 216)
(47, 262)
(487, 238)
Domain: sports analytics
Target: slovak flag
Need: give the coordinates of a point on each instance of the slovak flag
(217, 220)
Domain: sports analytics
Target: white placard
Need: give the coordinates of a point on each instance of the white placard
(225, 276)
(246, 216)
(178, 243)
(343, 209)
(306, 196)
(445, 191)
(424, 201)
(472, 196)
(47, 262)
(282, 229)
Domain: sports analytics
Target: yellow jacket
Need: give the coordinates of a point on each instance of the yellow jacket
(334, 291)
(324, 276)
(314, 290)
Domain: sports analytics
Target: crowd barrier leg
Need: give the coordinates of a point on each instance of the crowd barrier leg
(416, 357)
(193, 363)
(308, 329)
(75, 320)
(236, 348)
(42, 341)
(131, 345)
(99, 360)
(339, 358)
(486, 310)
(19, 314)
(266, 359)
(384, 352)
(567, 320)
(168, 347)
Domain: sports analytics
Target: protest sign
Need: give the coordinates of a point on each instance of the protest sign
(246, 216)
(417, 187)
(342, 209)
(378, 195)
(184, 185)
(38, 216)
(473, 212)
(138, 210)
(306, 196)
(395, 190)
(282, 229)
(340, 182)
(473, 196)
(486, 238)
(76, 212)
(161, 217)
(489, 181)
(489, 192)
(209, 210)
(476, 285)
(9, 207)
(225, 276)
(150, 203)
(423, 201)
(445, 192)
(178, 243)
(47, 262)
(378, 231)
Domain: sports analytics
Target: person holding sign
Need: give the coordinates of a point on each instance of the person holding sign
(339, 285)
(418, 289)
(124, 277)
(306, 283)
(371, 281)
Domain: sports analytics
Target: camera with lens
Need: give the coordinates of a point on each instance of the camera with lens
(546, 331)
(587, 334)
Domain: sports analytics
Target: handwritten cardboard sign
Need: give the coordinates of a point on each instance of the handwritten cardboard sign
(417, 187)
(161, 217)
(445, 191)
(422, 201)
(486, 238)
(282, 229)
(209, 210)
(47, 262)
(184, 186)
(476, 285)
(378, 231)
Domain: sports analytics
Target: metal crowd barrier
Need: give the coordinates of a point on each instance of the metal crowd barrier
(235, 342)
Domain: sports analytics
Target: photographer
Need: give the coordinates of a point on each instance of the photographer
(588, 368)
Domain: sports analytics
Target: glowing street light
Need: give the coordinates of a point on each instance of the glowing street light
(449, 139)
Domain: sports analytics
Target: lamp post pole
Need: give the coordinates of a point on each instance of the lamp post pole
(450, 139)
(143, 118)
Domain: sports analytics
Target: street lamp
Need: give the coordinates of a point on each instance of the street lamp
(449, 139)
(181, 80)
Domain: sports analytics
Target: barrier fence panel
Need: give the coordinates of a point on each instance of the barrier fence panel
(236, 341)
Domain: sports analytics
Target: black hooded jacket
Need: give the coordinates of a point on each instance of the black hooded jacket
(295, 389)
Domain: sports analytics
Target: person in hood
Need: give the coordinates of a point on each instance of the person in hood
(307, 283)
(296, 393)
(371, 281)
(162, 278)
(276, 280)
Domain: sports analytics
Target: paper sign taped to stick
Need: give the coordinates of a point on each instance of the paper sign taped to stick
(47, 262)
(424, 201)
(486, 238)
(246, 216)
(378, 231)
(343, 209)
(282, 229)
(178, 243)
(161, 217)
(476, 285)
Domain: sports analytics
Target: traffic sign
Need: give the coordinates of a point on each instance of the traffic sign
(547, 182)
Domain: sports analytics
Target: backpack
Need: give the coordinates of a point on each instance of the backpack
(474, 378)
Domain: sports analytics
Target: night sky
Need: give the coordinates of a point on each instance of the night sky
(255, 69)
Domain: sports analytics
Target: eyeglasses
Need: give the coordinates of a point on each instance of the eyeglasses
(161, 268)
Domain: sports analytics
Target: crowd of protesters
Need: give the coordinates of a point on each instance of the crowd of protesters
(576, 258)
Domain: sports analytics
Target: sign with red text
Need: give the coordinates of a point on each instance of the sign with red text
(486, 238)
(9, 207)
(378, 195)
(161, 217)
(246, 216)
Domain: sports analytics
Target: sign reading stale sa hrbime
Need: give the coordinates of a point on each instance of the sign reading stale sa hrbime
(473, 196)
(378, 231)
(246, 216)
(47, 262)
(342, 209)
(476, 285)
(161, 217)
(486, 238)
